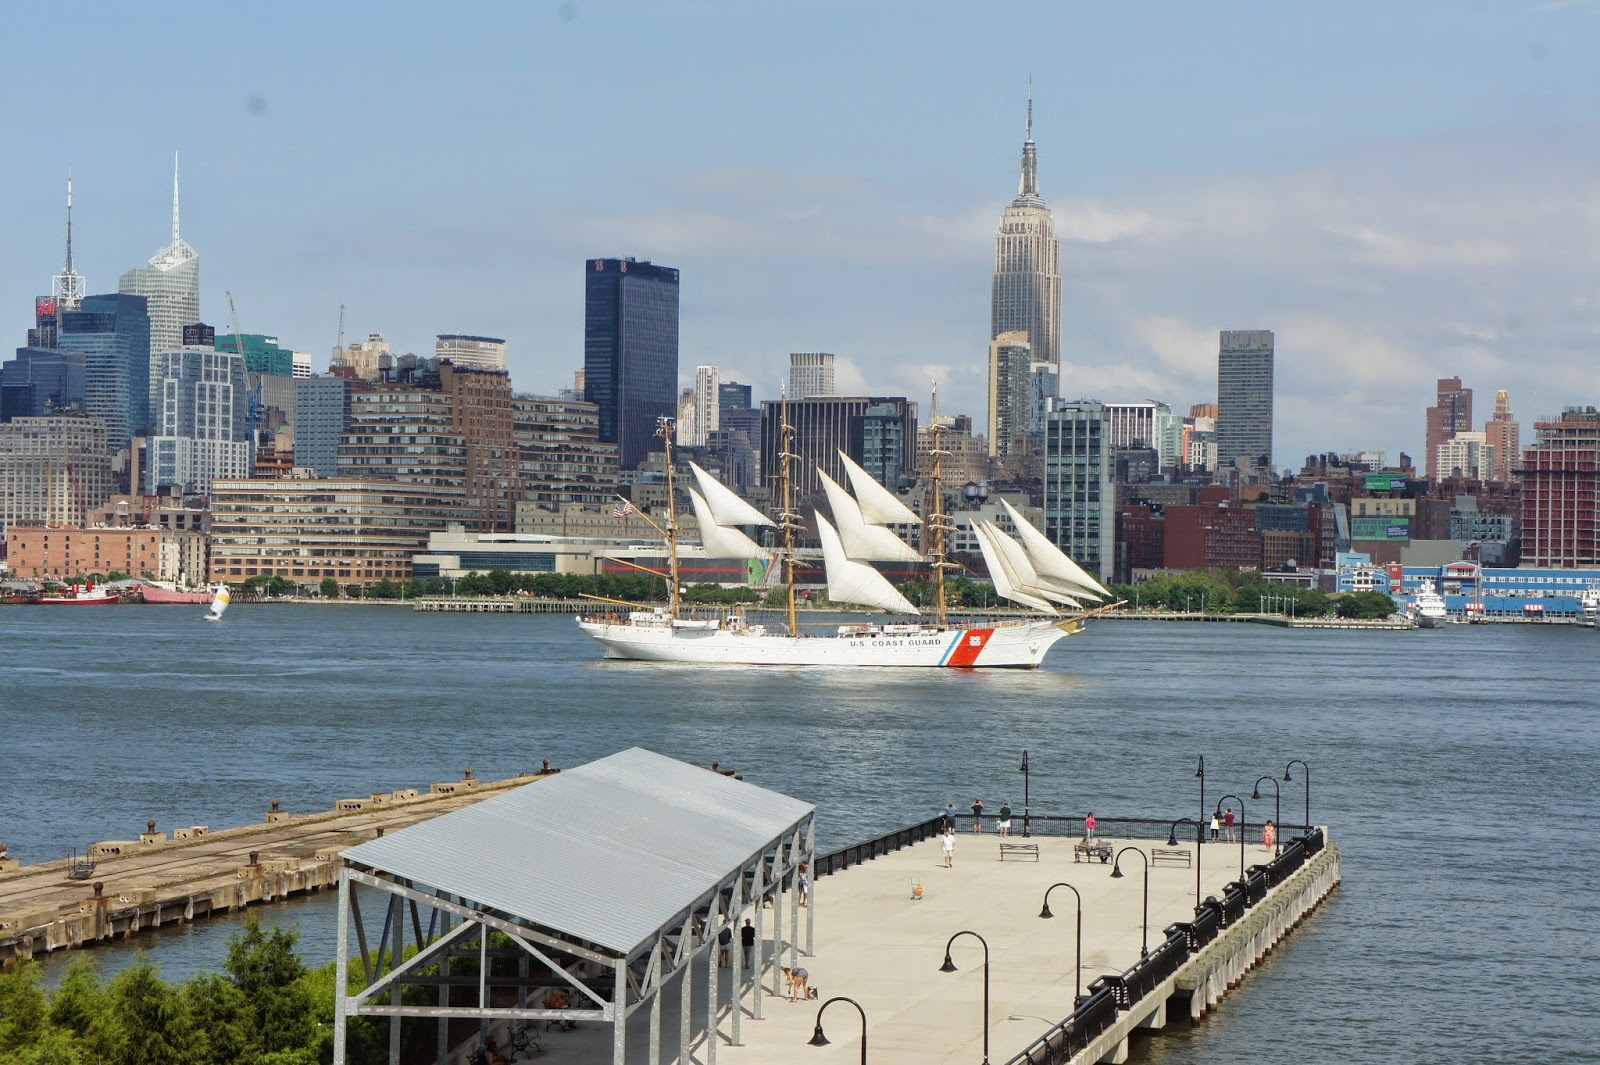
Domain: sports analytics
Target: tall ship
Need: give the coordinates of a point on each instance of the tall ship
(1028, 570)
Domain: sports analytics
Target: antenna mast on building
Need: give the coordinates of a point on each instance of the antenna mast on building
(68, 287)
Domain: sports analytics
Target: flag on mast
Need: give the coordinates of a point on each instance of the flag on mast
(622, 510)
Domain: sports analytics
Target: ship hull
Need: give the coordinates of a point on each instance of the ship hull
(1013, 645)
(88, 600)
(153, 594)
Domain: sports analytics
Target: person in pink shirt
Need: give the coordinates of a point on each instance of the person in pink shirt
(1088, 826)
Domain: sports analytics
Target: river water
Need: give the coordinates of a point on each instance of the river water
(1455, 768)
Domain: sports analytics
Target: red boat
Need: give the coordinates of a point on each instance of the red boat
(163, 593)
(87, 595)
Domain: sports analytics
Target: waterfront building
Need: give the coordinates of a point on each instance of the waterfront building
(630, 351)
(1025, 296)
(1079, 501)
(1211, 535)
(1244, 399)
(53, 470)
(356, 531)
(1146, 425)
(450, 431)
(473, 352)
(1561, 491)
(1465, 454)
(112, 333)
(72, 552)
(810, 375)
(878, 433)
(201, 422)
(321, 416)
(562, 456)
(170, 285)
(40, 381)
(576, 521)
(1503, 434)
(1450, 414)
(1011, 421)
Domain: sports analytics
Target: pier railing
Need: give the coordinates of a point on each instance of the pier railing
(888, 843)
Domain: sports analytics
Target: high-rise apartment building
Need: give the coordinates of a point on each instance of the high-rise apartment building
(1010, 396)
(1561, 491)
(170, 284)
(1150, 424)
(810, 374)
(53, 470)
(1465, 455)
(475, 353)
(201, 428)
(630, 351)
(1026, 293)
(1080, 504)
(563, 459)
(1450, 414)
(321, 416)
(1244, 399)
(878, 433)
(707, 403)
(687, 424)
(1503, 434)
(112, 332)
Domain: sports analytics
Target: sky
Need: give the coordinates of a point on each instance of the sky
(1401, 192)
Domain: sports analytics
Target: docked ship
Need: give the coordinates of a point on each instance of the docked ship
(1028, 570)
(1589, 602)
(81, 595)
(1428, 609)
(162, 592)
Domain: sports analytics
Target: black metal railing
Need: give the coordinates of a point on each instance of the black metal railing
(888, 843)
(1094, 1015)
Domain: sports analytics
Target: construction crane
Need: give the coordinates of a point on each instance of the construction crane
(253, 408)
(233, 322)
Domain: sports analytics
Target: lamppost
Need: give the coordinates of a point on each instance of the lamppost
(1287, 777)
(1201, 773)
(819, 1040)
(1277, 809)
(950, 967)
(1077, 986)
(1199, 845)
(1218, 813)
(1023, 769)
(1116, 874)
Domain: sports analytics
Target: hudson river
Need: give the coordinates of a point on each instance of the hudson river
(1456, 768)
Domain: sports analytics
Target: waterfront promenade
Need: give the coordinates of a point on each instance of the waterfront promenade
(877, 945)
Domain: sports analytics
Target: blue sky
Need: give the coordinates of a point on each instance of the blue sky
(1402, 191)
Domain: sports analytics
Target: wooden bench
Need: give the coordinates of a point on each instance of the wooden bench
(1019, 850)
(1087, 849)
(1170, 856)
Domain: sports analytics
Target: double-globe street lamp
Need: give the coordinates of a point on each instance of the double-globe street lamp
(1116, 874)
(1199, 846)
(950, 967)
(819, 1040)
(1287, 778)
(1277, 810)
(1077, 985)
(1218, 814)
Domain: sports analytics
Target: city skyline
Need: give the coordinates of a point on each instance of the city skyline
(1358, 211)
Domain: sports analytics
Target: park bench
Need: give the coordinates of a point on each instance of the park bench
(1019, 850)
(1170, 856)
(1087, 849)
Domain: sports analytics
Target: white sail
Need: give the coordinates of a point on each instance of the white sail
(856, 582)
(1000, 575)
(879, 506)
(1022, 573)
(726, 506)
(862, 541)
(718, 541)
(219, 603)
(1050, 561)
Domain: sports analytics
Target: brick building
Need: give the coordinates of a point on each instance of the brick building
(1561, 492)
(1211, 536)
(65, 553)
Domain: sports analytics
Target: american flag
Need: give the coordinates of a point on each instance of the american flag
(622, 510)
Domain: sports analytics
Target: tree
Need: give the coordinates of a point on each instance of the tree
(266, 971)
(330, 588)
(1365, 605)
(149, 1021)
(23, 1009)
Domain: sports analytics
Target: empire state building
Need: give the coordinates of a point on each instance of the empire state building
(1027, 294)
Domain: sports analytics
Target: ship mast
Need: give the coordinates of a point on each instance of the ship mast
(787, 518)
(664, 429)
(935, 523)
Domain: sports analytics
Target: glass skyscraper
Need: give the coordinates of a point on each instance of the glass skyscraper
(1244, 399)
(630, 351)
(201, 415)
(1079, 501)
(41, 381)
(113, 334)
(170, 282)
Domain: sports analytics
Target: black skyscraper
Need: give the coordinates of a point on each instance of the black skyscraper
(630, 351)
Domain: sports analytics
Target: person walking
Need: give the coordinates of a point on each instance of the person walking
(948, 843)
(1269, 835)
(977, 815)
(724, 945)
(1005, 819)
(1088, 826)
(1216, 826)
(1227, 824)
(747, 937)
(803, 881)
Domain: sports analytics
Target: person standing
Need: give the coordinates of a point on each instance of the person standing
(747, 937)
(804, 883)
(977, 815)
(1216, 826)
(724, 945)
(948, 843)
(1005, 819)
(1269, 835)
(1088, 826)
(950, 814)
(1227, 824)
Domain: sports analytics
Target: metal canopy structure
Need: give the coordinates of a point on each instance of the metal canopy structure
(603, 883)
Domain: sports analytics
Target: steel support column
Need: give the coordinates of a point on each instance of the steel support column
(341, 969)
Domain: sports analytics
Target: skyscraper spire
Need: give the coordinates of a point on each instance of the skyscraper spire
(175, 193)
(1028, 188)
(67, 287)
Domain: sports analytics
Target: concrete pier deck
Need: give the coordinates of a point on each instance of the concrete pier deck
(877, 945)
(192, 872)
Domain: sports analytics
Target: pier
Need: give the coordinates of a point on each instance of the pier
(507, 604)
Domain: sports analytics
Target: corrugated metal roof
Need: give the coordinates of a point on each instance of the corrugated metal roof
(608, 852)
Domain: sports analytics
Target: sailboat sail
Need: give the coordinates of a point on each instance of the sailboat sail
(219, 603)
(720, 542)
(879, 506)
(1050, 561)
(724, 504)
(1021, 571)
(862, 541)
(856, 582)
(1000, 573)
